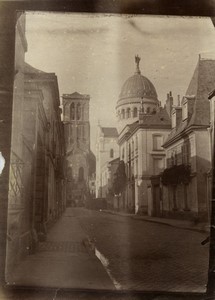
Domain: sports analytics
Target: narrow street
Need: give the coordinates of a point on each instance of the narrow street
(134, 255)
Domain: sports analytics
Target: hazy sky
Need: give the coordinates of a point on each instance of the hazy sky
(94, 54)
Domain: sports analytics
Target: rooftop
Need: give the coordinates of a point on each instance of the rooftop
(201, 85)
(109, 131)
(160, 120)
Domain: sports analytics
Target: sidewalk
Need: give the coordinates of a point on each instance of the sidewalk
(184, 224)
(62, 261)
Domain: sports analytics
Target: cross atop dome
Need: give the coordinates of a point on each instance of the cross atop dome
(137, 61)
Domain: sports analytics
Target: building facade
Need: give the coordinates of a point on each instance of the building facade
(36, 178)
(107, 149)
(188, 150)
(43, 128)
(141, 150)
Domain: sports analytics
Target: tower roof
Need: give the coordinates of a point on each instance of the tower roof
(76, 95)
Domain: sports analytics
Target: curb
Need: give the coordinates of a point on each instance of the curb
(134, 217)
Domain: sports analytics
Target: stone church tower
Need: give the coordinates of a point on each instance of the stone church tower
(77, 137)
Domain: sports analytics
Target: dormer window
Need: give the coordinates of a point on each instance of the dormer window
(184, 111)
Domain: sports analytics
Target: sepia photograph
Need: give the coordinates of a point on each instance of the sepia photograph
(111, 157)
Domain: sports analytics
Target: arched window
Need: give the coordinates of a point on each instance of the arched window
(128, 112)
(111, 153)
(78, 111)
(123, 114)
(72, 111)
(148, 110)
(136, 142)
(135, 112)
(81, 174)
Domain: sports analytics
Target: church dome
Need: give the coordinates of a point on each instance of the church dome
(137, 93)
(138, 86)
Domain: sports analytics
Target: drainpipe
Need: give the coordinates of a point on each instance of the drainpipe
(34, 237)
(211, 271)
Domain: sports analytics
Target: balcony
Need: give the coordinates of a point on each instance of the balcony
(176, 174)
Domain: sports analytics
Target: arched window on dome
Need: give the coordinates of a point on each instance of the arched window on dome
(135, 112)
(118, 115)
(148, 110)
(123, 114)
(128, 112)
(72, 111)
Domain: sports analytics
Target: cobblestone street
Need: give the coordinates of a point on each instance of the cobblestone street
(148, 256)
(136, 255)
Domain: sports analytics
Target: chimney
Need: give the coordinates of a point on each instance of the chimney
(169, 103)
(179, 102)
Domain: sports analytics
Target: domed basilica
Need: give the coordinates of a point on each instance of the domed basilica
(137, 93)
(143, 126)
